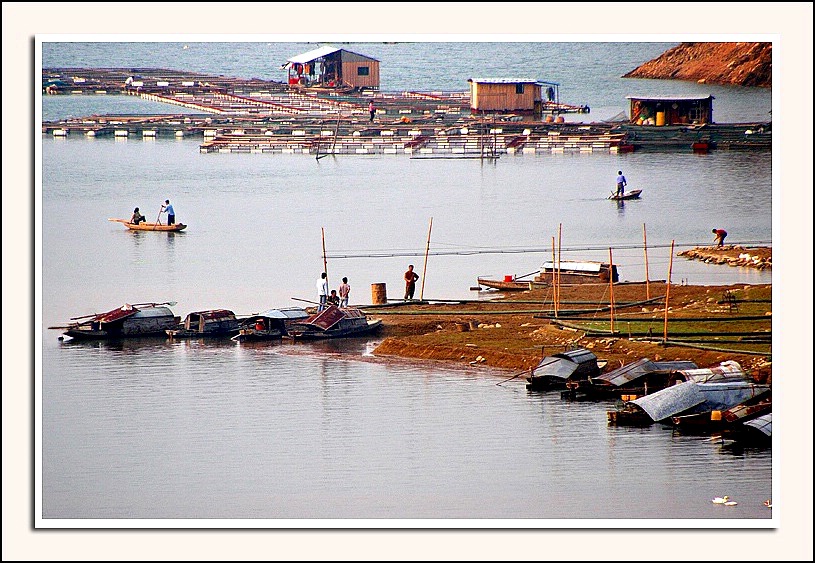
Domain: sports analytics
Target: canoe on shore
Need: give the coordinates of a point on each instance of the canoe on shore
(511, 285)
(150, 226)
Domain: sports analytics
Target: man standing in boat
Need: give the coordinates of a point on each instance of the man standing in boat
(621, 183)
(345, 290)
(322, 291)
(170, 212)
(410, 282)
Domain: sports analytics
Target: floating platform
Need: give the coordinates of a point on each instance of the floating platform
(255, 116)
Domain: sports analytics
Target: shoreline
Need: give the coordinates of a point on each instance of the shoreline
(706, 324)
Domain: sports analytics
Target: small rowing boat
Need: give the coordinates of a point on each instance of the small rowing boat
(150, 226)
(633, 194)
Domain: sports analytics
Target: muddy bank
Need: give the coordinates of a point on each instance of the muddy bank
(742, 64)
(517, 330)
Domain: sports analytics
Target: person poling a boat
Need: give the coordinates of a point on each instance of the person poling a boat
(621, 183)
(167, 208)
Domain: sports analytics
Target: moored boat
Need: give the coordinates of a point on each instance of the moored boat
(559, 370)
(333, 322)
(150, 226)
(212, 322)
(128, 321)
(272, 324)
(566, 272)
(575, 271)
(698, 395)
(512, 284)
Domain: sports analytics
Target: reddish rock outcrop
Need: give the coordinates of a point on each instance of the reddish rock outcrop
(742, 64)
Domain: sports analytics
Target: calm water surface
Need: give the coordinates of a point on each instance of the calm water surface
(203, 430)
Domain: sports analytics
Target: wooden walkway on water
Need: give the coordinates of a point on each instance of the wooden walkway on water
(235, 115)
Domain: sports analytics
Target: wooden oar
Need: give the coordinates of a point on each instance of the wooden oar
(158, 219)
(514, 376)
(525, 275)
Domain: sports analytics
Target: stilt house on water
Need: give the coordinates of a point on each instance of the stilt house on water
(332, 67)
(518, 95)
(662, 111)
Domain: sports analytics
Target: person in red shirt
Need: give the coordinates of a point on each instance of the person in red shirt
(720, 234)
(410, 282)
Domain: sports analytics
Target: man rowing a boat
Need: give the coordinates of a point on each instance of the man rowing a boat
(170, 212)
(621, 183)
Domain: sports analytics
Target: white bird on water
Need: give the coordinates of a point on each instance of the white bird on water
(731, 503)
(768, 503)
(721, 500)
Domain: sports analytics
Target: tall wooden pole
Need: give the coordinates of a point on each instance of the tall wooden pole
(667, 294)
(645, 249)
(611, 287)
(426, 252)
(554, 278)
(559, 239)
(325, 261)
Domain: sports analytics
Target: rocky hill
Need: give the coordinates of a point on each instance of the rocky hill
(742, 64)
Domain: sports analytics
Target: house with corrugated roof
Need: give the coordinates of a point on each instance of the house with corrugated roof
(333, 67)
(522, 95)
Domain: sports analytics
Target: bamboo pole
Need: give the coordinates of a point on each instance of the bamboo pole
(426, 252)
(554, 280)
(559, 247)
(645, 249)
(611, 288)
(325, 260)
(667, 294)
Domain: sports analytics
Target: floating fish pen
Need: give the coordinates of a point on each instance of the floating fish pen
(236, 115)
(135, 81)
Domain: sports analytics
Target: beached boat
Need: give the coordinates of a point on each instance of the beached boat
(128, 321)
(150, 226)
(333, 322)
(633, 194)
(568, 272)
(558, 370)
(269, 325)
(212, 322)
(575, 272)
(510, 283)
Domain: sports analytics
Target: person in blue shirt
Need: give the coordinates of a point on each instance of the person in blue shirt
(621, 183)
(170, 212)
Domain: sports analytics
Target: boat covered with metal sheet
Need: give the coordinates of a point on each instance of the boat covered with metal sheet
(555, 371)
(641, 377)
(212, 322)
(715, 389)
(271, 324)
(333, 322)
(127, 321)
